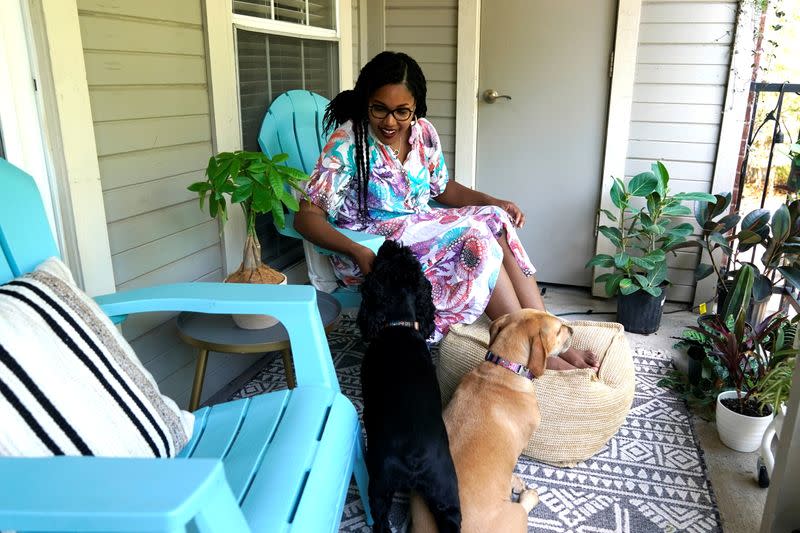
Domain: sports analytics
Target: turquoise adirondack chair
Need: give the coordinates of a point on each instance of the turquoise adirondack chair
(276, 462)
(293, 125)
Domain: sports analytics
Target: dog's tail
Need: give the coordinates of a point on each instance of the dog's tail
(422, 520)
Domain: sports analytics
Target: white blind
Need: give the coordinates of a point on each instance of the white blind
(270, 65)
(318, 13)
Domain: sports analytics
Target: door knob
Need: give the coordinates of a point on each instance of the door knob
(490, 95)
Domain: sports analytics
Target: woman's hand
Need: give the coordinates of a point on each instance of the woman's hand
(513, 210)
(363, 257)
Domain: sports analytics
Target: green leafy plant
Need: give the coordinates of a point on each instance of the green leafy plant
(642, 235)
(778, 233)
(748, 352)
(775, 386)
(753, 360)
(259, 185)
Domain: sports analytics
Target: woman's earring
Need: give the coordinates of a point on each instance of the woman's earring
(413, 120)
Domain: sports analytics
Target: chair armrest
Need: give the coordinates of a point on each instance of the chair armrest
(373, 242)
(112, 494)
(294, 305)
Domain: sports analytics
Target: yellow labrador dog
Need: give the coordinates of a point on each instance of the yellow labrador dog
(492, 415)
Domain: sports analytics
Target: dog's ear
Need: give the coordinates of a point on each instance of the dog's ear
(498, 324)
(546, 340)
(370, 317)
(537, 358)
(425, 309)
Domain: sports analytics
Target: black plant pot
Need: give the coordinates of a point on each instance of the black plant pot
(696, 356)
(640, 312)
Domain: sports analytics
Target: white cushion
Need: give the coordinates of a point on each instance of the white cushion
(70, 383)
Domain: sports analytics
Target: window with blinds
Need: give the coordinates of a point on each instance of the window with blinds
(318, 13)
(268, 66)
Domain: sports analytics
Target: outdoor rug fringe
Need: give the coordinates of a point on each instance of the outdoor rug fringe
(650, 477)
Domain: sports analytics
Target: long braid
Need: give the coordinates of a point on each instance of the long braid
(362, 167)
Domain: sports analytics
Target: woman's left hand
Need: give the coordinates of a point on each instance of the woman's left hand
(514, 212)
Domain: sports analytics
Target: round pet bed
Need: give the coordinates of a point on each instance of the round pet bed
(580, 410)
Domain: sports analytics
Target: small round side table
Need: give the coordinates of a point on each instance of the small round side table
(210, 332)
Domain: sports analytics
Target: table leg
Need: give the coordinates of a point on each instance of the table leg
(288, 367)
(199, 376)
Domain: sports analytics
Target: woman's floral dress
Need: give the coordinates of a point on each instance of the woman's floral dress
(457, 247)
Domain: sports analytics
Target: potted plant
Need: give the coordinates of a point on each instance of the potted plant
(778, 233)
(259, 185)
(749, 354)
(643, 233)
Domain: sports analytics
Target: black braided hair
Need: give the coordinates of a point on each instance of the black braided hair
(385, 68)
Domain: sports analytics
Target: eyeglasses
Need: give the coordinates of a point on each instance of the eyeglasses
(401, 114)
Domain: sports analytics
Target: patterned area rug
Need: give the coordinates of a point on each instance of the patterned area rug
(649, 478)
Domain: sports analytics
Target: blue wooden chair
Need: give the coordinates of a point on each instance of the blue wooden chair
(293, 125)
(276, 462)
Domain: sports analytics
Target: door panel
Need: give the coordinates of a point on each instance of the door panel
(544, 148)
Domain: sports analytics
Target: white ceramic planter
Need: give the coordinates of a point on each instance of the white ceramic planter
(256, 321)
(739, 432)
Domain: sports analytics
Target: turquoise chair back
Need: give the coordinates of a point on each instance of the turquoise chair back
(25, 235)
(293, 125)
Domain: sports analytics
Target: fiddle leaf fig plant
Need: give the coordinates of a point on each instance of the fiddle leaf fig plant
(259, 185)
(643, 232)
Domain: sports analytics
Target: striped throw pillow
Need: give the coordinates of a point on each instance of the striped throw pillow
(70, 383)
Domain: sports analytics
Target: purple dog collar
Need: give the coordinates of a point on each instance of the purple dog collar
(516, 368)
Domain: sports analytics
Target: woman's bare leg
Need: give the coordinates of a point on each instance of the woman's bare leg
(530, 297)
(503, 299)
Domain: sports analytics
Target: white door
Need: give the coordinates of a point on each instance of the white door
(544, 147)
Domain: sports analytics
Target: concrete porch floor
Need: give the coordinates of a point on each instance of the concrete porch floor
(732, 474)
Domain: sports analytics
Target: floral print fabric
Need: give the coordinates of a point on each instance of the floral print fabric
(457, 247)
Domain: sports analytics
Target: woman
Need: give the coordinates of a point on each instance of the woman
(378, 172)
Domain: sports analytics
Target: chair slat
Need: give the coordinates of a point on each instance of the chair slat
(25, 236)
(270, 501)
(306, 120)
(334, 459)
(224, 421)
(256, 431)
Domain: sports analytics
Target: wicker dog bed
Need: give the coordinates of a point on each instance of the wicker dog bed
(580, 411)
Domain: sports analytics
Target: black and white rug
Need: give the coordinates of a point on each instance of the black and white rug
(649, 478)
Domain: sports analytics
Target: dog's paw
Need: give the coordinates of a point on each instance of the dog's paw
(529, 499)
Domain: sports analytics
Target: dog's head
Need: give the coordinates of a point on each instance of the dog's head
(396, 289)
(528, 337)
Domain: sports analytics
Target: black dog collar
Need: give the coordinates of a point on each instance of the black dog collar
(403, 323)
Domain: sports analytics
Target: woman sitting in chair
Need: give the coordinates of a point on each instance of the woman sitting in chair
(378, 172)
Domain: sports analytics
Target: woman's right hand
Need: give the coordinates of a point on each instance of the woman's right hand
(363, 257)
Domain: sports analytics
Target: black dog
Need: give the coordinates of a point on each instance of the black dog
(407, 445)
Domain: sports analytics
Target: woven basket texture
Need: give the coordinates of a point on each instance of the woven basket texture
(580, 411)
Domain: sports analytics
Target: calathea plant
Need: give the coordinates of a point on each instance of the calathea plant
(643, 232)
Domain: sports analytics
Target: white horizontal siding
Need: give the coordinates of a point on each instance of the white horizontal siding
(682, 68)
(146, 70)
(427, 31)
